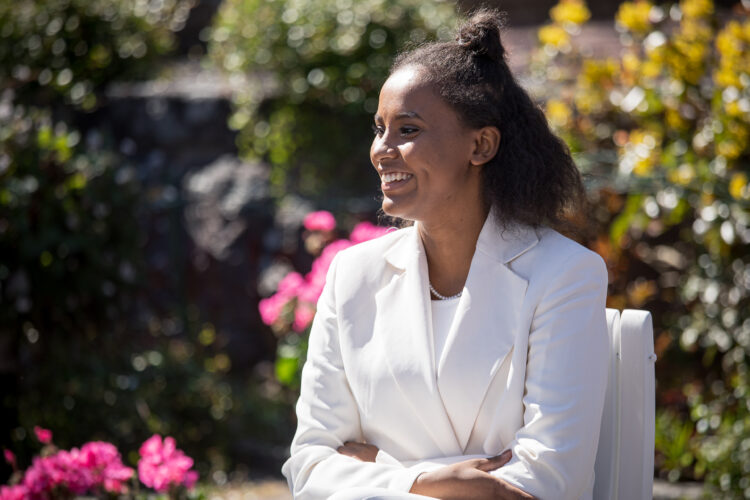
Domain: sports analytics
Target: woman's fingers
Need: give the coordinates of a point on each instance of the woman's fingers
(361, 451)
(493, 463)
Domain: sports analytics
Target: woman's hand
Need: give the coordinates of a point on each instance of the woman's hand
(469, 479)
(361, 451)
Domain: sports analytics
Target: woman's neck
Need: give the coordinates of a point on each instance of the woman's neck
(449, 244)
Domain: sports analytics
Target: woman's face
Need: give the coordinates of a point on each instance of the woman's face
(422, 151)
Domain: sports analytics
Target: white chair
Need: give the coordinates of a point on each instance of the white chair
(624, 467)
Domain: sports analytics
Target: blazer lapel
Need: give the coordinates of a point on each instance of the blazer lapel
(403, 322)
(485, 326)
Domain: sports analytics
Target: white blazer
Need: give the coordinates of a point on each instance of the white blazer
(524, 366)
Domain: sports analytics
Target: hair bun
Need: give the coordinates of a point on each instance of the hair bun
(480, 34)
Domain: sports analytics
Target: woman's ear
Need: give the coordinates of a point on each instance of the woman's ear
(486, 143)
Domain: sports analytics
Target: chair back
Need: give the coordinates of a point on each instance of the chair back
(624, 467)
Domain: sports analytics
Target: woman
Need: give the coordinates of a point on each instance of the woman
(465, 356)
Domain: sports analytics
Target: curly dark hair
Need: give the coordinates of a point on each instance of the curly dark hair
(532, 179)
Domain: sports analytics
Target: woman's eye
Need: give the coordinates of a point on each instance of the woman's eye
(408, 130)
(377, 129)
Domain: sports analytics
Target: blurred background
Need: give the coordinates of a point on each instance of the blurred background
(158, 159)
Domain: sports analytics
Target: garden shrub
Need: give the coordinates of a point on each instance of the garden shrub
(290, 310)
(67, 226)
(81, 350)
(54, 51)
(667, 123)
(316, 67)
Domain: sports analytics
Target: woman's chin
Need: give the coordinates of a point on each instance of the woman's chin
(393, 209)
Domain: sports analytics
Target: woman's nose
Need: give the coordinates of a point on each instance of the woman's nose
(381, 149)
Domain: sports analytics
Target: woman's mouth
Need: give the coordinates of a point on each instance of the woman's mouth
(393, 180)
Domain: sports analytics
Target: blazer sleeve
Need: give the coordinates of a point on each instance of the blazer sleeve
(327, 416)
(566, 376)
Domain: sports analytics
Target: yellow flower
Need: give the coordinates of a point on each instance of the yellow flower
(733, 45)
(729, 149)
(643, 167)
(738, 187)
(697, 8)
(635, 16)
(553, 35)
(587, 103)
(630, 62)
(570, 11)
(726, 77)
(727, 42)
(594, 83)
(598, 73)
(733, 109)
(651, 69)
(641, 153)
(558, 112)
(675, 120)
(682, 175)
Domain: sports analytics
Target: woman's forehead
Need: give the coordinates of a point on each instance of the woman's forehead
(406, 91)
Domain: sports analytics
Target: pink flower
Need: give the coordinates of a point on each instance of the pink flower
(270, 308)
(43, 435)
(62, 469)
(17, 492)
(319, 221)
(303, 316)
(10, 458)
(105, 464)
(365, 231)
(162, 465)
(291, 284)
(316, 278)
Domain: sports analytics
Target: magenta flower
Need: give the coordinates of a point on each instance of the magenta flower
(17, 492)
(319, 221)
(365, 231)
(61, 470)
(291, 284)
(271, 307)
(105, 465)
(43, 435)
(316, 278)
(303, 316)
(306, 290)
(10, 458)
(162, 465)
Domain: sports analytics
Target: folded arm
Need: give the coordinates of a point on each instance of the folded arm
(460, 477)
(328, 416)
(566, 377)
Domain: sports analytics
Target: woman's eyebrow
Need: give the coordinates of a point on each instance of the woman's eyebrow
(409, 114)
(403, 114)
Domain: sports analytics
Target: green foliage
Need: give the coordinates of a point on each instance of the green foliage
(67, 226)
(73, 283)
(674, 443)
(169, 380)
(673, 112)
(723, 423)
(317, 67)
(55, 51)
(93, 359)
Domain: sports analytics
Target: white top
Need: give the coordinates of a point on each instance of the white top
(443, 312)
(527, 373)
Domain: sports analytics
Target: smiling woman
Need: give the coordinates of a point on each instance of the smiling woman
(465, 356)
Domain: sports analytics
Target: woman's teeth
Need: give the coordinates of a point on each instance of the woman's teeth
(396, 176)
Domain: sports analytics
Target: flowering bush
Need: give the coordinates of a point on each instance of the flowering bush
(667, 126)
(322, 63)
(291, 309)
(97, 468)
(163, 466)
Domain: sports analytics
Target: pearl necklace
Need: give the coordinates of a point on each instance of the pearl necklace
(443, 297)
